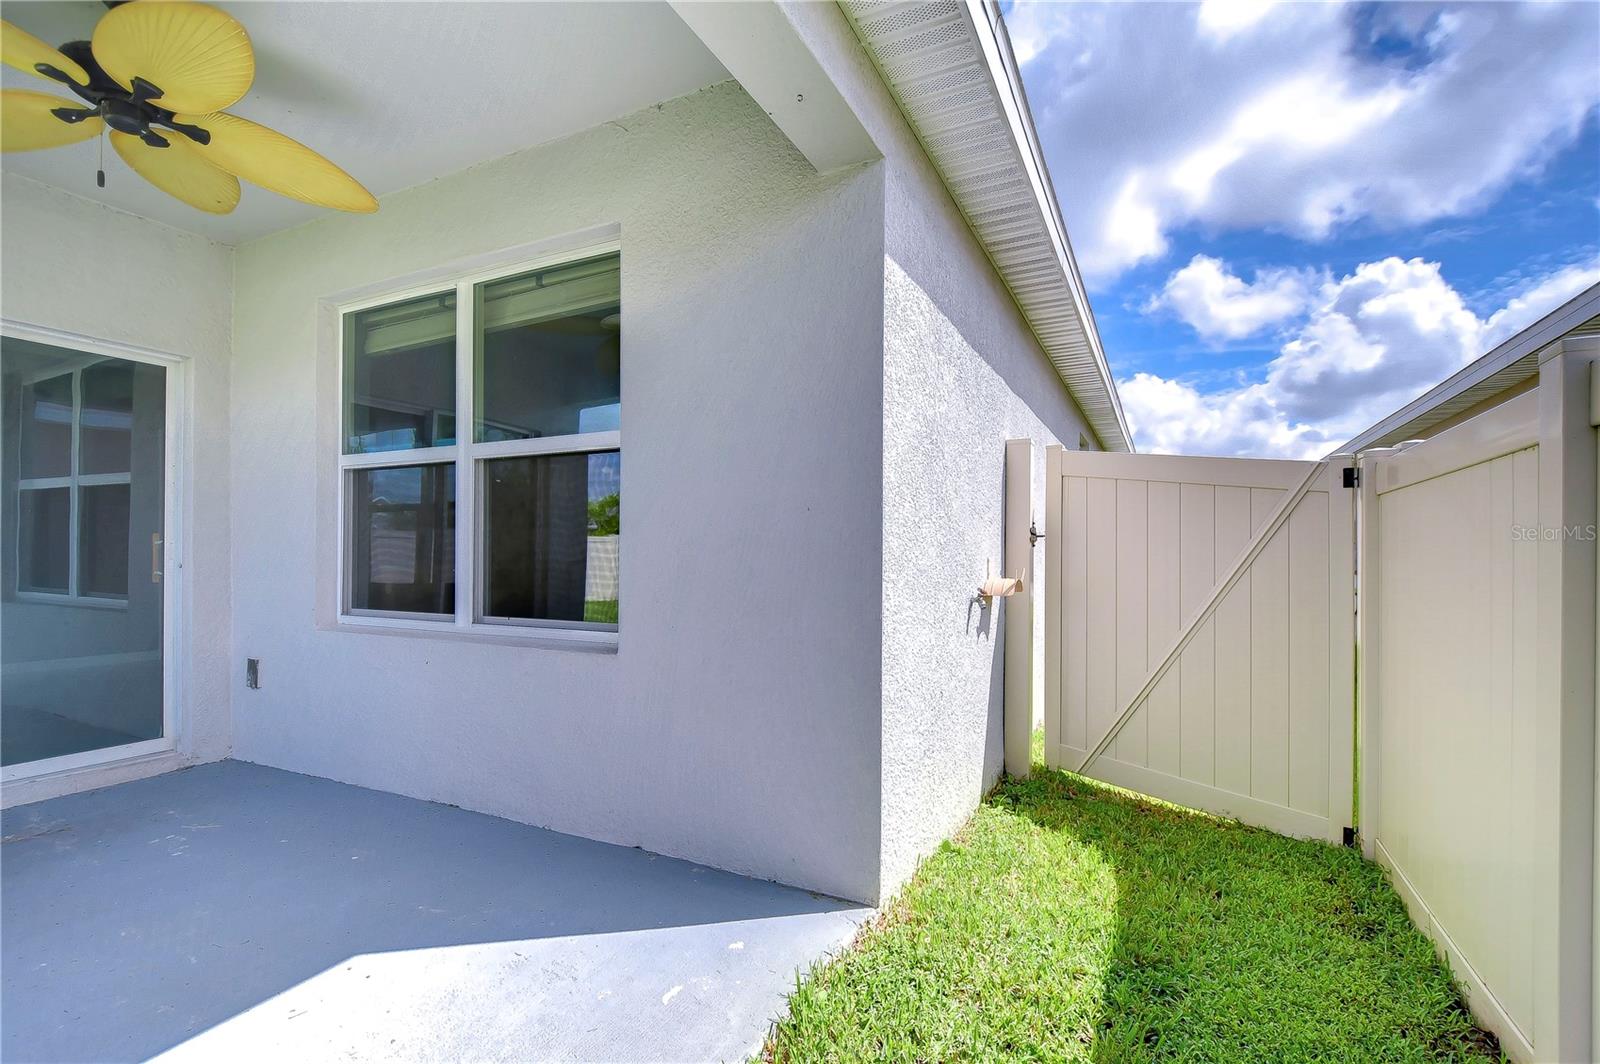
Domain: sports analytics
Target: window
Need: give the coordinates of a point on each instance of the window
(76, 437)
(525, 496)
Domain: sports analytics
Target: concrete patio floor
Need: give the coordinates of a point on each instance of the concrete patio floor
(235, 912)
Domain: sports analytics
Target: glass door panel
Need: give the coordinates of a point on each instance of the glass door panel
(82, 503)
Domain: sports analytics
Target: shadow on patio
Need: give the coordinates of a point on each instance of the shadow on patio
(233, 910)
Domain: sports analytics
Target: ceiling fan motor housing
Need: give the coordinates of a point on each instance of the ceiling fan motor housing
(124, 115)
(125, 111)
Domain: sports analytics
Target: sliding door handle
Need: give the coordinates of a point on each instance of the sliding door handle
(155, 557)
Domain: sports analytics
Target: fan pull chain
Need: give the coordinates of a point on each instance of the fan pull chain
(100, 173)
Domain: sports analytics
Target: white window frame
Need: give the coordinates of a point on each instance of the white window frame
(467, 457)
(74, 482)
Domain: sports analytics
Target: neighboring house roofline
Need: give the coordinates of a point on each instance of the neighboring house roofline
(949, 66)
(1507, 365)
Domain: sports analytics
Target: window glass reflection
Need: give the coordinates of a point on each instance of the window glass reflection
(84, 468)
(46, 427)
(103, 548)
(44, 528)
(400, 375)
(551, 347)
(552, 528)
(105, 434)
(403, 539)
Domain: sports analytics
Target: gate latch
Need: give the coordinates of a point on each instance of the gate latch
(1352, 477)
(1034, 535)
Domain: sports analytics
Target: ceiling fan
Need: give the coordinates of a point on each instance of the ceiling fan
(159, 73)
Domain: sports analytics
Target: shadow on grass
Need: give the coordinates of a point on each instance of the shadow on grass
(1236, 943)
(1073, 921)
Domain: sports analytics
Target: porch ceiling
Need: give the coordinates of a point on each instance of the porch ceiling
(234, 912)
(399, 94)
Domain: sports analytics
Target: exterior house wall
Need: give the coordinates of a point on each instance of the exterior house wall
(819, 377)
(737, 723)
(78, 267)
(962, 373)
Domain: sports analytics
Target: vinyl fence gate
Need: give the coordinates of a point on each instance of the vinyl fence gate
(1199, 632)
(1200, 647)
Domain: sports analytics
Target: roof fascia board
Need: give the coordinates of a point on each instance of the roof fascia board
(949, 66)
(1546, 330)
(996, 45)
(760, 48)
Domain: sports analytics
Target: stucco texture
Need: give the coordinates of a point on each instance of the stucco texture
(819, 375)
(737, 723)
(962, 373)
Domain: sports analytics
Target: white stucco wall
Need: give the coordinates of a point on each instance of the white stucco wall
(738, 722)
(78, 267)
(819, 377)
(962, 373)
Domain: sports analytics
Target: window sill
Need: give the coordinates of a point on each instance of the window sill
(583, 641)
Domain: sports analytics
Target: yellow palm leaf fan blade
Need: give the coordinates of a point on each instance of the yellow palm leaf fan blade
(21, 49)
(28, 121)
(275, 162)
(200, 58)
(180, 171)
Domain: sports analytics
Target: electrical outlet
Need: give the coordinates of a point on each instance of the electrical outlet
(252, 673)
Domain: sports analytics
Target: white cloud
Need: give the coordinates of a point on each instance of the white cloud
(1220, 306)
(1033, 26)
(1171, 417)
(1540, 298)
(1294, 118)
(1221, 19)
(1376, 338)
(1368, 343)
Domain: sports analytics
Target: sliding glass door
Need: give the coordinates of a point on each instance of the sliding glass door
(84, 452)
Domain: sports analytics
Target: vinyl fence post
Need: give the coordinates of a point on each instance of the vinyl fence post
(1566, 700)
(1054, 548)
(1018, 663)
(1369, 711)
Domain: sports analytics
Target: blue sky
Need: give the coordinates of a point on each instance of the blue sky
(1293, 218)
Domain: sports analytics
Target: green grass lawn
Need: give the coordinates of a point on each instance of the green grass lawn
(1070, 921)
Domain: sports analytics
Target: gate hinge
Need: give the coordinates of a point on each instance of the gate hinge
(1349, 836)
(1352, 477)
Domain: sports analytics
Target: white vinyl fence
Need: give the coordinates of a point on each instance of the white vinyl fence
(1200, 631)
(1477, 738)
(1203, 644)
